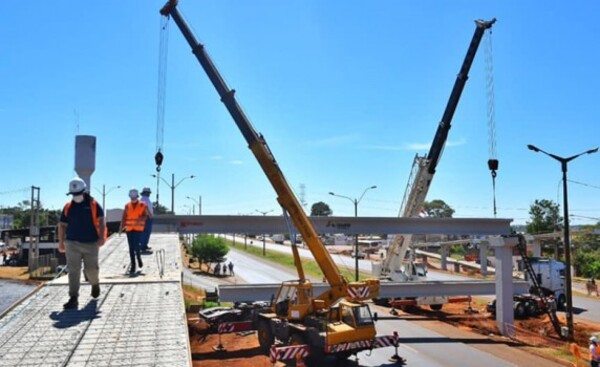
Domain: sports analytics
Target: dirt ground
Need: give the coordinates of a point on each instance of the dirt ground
(241, 351)
(537, 333)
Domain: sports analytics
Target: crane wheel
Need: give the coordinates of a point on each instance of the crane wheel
(265, 336)
(436, 307)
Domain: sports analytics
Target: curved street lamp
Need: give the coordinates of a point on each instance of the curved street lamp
(199, 202)
(104, 193)
(172, 186)
(355, 202)
(567, 240)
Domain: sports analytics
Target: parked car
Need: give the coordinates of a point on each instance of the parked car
(361, 254)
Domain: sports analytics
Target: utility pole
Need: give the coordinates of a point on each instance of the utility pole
(34, 229)
(567, 235)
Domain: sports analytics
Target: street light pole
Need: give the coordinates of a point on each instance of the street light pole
(172, 186)
(264, 245)
(199, 202)
(104, 194)
(173, 193)
(567, 235)
(355, 202)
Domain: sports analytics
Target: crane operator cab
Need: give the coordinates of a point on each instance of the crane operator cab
(293, 301)
(349, 321)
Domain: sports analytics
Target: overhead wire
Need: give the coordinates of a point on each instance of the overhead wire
(493, 163)
(162, 90)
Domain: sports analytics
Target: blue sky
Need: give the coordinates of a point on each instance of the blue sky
(345, 92)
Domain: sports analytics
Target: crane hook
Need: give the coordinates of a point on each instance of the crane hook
(158, 159)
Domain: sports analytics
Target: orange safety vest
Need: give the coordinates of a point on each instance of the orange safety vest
(594, 356)
(135, 218)
(95, 218)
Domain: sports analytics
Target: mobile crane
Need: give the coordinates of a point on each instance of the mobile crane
(423, 170)
(337, 321)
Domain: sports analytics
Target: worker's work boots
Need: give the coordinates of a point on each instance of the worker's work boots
(71, 304)
(96, 290)
(139, 259)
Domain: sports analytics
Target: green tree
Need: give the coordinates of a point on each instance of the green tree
(208, 249)
(320, 209)
(159, 208)
(438, 208)
(544, 217)
(586, 252)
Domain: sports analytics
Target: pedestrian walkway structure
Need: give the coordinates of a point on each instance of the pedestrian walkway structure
(136, 321)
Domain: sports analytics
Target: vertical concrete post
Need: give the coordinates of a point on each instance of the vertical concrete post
(536, 248)
(504, 284)
(483, 248)
(444, 257)
(85, 158)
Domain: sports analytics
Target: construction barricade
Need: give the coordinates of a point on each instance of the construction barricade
(231, 327)
(291, 352)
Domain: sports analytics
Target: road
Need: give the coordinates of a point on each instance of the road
(446, 346)
(584, 308)
(420, 344)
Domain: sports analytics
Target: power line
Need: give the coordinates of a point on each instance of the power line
(15, 191)
(584, 184)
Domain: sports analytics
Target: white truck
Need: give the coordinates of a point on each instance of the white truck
(278, 238)
(550, 275)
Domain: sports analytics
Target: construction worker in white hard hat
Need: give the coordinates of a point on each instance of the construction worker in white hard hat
(132, 222)
(594, 352)
(148, 226)
(81, 232)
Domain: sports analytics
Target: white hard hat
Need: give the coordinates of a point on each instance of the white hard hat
(594, 339)
(133, 193)
(76, 186)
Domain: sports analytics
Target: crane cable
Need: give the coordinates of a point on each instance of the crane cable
(491, 114)
(162, 91)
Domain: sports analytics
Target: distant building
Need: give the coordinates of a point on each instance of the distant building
(6, 221)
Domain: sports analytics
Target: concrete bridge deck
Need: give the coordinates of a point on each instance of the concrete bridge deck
(136, 321)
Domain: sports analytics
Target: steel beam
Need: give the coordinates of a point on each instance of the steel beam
(249, 224)
(264, 292)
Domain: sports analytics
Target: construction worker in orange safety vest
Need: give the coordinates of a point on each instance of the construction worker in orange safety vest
(133, 222)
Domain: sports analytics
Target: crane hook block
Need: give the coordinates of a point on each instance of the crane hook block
(493, 166)
(158, 159)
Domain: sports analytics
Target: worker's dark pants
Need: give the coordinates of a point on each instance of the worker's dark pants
(133, 239)
(146, 234)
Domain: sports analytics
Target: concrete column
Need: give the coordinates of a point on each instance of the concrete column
(504, 284)
(444, 257)
(536, 248)
(85, 158)
(483, 247)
